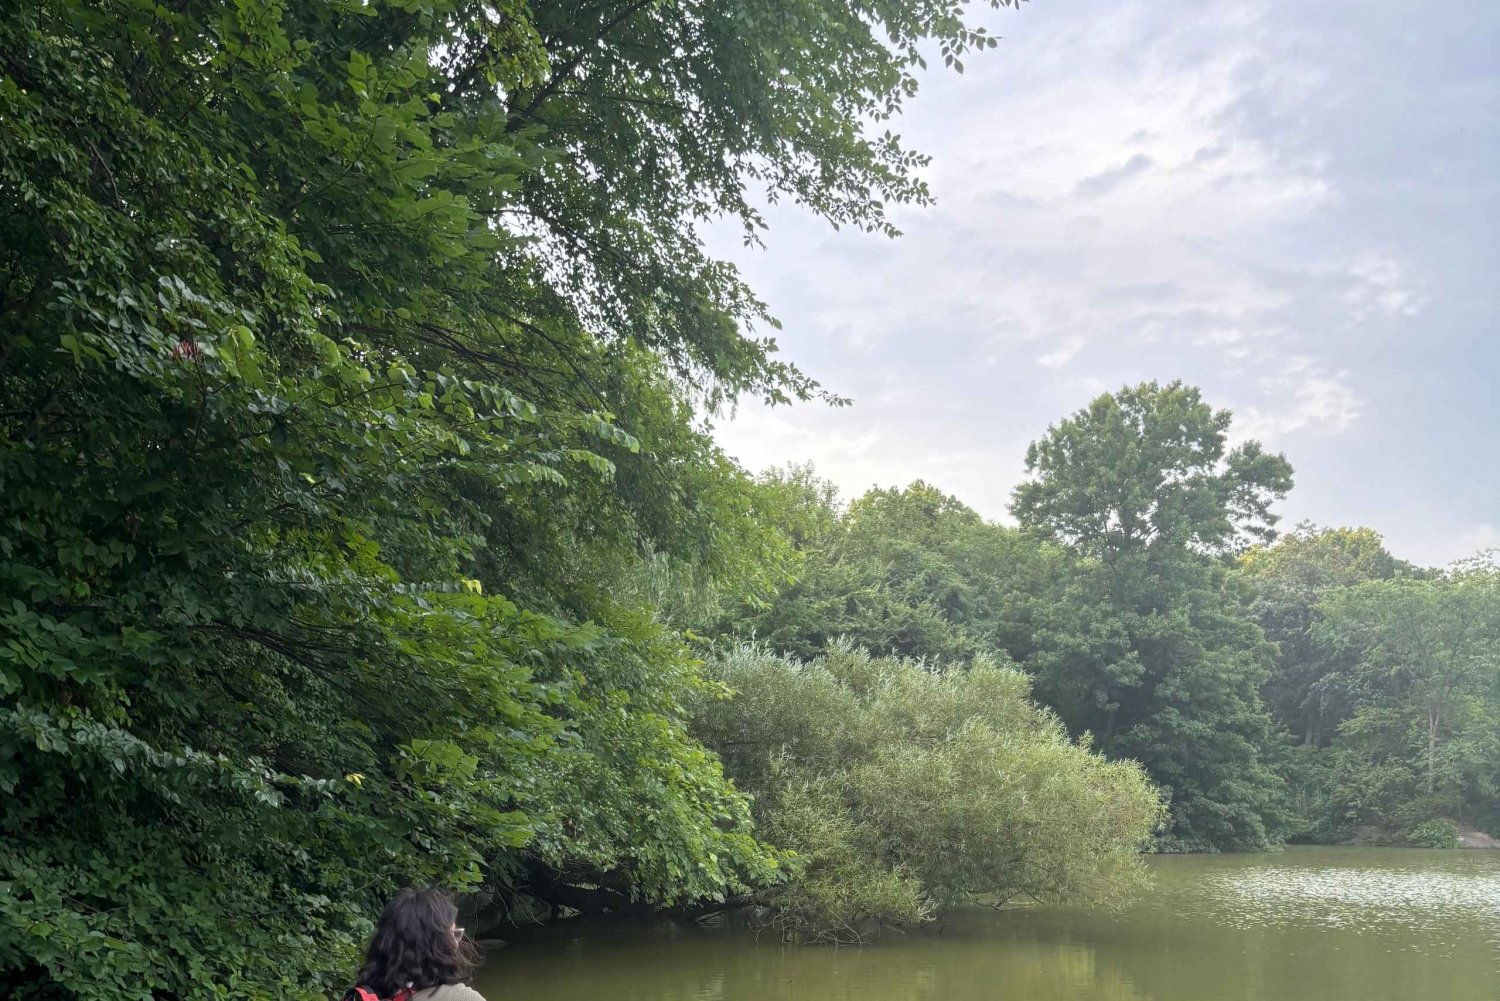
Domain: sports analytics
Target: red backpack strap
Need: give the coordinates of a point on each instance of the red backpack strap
(363, 994)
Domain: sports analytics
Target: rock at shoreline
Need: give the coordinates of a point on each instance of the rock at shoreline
(1469, 837)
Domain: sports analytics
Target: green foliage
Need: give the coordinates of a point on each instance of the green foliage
(1145, 650)
(1114, 595)
(1433, 834)
(356, 495)
(1146, 470)
(1309, 688)
(669, 114)
(904, 787)
(1424, 738)
(1128, 599)
(912, 572)
(1393, 670)
(348, 352)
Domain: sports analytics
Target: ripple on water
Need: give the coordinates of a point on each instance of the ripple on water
(1399, 900)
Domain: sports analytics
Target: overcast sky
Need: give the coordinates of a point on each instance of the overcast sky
(1291, 205)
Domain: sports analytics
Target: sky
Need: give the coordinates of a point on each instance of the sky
(1294, 206)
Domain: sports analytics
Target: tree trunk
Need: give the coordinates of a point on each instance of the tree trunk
(590, 900)
(1434, 715)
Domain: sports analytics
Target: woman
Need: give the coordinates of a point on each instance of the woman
(417, 952)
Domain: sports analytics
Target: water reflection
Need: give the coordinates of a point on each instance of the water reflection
(708, 972)
(1306, 925)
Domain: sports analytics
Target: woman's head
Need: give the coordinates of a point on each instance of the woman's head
(417, 945)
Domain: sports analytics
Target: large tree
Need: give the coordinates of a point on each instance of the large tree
(1149, 469)
(1140, 645)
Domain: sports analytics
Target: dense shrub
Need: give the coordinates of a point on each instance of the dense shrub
(1433, 834)
(904, 787)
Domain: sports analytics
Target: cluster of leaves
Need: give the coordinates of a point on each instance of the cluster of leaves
(913, 572)
(1433, 834)
(348, 353)
(904, 787)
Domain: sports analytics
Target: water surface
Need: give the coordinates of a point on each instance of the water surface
(1308, 924)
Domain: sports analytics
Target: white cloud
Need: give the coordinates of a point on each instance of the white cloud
(1417, 542)
(1304, 397)
(1063, 351)
(1122, 167)
(1106, 181)
(844, 447)
(1381, 286)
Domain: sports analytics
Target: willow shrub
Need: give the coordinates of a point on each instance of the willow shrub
(906, 787)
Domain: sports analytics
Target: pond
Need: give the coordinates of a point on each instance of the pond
(1307, 924)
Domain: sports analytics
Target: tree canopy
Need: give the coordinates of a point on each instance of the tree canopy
(1423, 740)
(1114, 595)
(1148, 469)
(1286, 581)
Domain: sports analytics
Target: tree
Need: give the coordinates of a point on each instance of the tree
(661, 116)
(1308, 689)
(877, 575)
(1139, 644)
(910, 571)
(907, 787)
(1429, 664)
(1146, 470)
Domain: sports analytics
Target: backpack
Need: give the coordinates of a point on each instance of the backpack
(365, 994)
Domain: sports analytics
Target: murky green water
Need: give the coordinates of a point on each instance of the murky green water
(1309, 924)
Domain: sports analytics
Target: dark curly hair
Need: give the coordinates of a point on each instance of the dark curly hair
(415, 945)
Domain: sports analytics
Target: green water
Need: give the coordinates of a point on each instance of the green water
(1309, 924)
